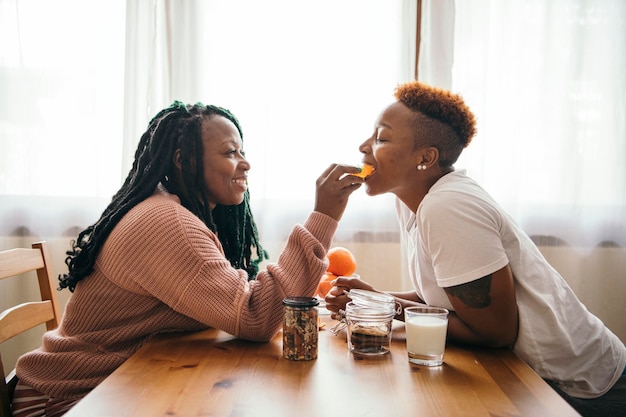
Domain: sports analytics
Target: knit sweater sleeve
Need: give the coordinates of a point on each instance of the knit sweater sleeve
(166, 251)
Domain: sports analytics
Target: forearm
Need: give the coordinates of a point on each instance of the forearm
(405, 299)
(485, 310)
(460, 332)
(406, 295)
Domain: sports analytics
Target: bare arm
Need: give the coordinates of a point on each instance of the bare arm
(336, 299)
(407, 295)
(406, 299)
(485, 310)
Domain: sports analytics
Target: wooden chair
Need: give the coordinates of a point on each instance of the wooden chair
(17, 319)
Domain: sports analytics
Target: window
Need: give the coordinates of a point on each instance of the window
(545, 80)
(61, 71)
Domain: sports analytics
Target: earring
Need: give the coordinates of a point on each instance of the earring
(421, 167)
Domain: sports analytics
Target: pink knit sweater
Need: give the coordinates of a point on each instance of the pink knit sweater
(163, 270)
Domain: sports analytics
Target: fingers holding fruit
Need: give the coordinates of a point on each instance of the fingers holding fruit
(366, 171)
(333, 188)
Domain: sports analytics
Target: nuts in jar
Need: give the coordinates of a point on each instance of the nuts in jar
(300, 328)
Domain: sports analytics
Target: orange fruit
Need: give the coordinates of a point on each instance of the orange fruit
(325, 284)
(341, 261)
(366, 171)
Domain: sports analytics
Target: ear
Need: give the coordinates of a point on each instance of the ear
(176, 159)
(429, 156)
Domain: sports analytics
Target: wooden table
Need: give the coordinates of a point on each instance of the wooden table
(211, 373)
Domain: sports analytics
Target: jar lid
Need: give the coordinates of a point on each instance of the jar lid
(301, 302)
(370, 298)
(377, 312)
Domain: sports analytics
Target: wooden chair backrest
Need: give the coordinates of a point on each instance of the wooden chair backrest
(19, 318)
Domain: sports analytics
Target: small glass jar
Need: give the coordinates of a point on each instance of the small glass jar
(368, 318)
(300, 328)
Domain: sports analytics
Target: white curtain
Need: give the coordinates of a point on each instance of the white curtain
(306, 81)
(60, 97)
(61, 73)
(80, 79)
(546, 80)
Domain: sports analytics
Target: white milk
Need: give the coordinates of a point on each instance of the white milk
(426, 335)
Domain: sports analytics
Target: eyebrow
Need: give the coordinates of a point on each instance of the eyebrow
(385, 125)
(232, 141)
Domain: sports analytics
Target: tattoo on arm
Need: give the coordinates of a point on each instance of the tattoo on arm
(474, 294)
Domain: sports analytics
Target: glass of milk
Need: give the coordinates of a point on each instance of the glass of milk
(426, 334)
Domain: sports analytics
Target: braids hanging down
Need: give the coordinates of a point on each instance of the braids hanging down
(176, 127)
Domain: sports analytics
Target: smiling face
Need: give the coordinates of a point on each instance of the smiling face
(391, 150)
(224, 166)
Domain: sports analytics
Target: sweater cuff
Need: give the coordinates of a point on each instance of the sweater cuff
(323, 227)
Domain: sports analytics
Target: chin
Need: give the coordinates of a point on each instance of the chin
(370, 191)
(232, 202)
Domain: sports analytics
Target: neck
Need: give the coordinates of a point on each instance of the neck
(421, 187)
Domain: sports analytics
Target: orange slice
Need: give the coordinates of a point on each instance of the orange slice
(366, 171)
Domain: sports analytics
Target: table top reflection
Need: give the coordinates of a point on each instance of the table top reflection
(211, 373)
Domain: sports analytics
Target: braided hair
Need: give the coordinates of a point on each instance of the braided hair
(177, 127)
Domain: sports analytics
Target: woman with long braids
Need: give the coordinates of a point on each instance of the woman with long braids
(177, 249)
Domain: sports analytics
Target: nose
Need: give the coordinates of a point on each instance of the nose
(366, 147)
(244, 162)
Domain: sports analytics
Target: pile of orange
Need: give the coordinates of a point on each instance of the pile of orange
(341, 262)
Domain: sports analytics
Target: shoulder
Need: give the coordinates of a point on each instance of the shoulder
(454, 185)
(456, 194)
(160, 218)
(161, 208)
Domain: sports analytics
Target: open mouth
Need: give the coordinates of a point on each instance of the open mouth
(241, 182)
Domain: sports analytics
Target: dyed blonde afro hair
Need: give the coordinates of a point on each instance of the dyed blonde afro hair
(449, 112)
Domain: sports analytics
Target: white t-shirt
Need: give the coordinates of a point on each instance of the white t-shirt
(460, 234)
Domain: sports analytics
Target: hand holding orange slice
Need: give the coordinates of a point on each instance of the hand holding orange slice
(366, 171)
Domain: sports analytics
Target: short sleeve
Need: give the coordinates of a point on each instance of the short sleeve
(461, 235)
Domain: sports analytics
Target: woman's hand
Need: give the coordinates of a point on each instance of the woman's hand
(334, 187)
(336, 299)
